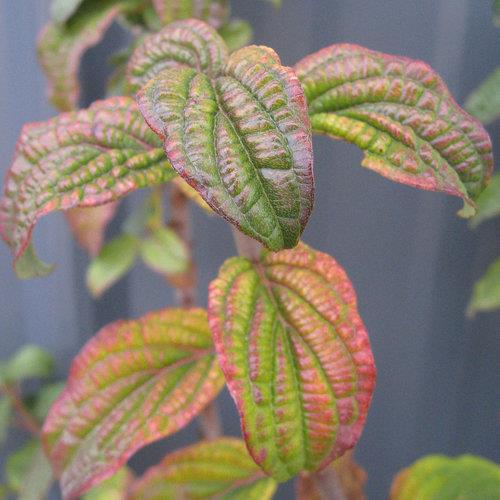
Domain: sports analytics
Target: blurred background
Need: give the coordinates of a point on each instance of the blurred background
(412, 261)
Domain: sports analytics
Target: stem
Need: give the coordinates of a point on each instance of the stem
(180, 222)
(27, 420)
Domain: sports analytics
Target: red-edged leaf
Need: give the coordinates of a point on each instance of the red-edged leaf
(219, 469)
(402, 115)
(89, 225)
(296, 357)
(214, 12)
(239, 134)
(77, 159)
(133, 383)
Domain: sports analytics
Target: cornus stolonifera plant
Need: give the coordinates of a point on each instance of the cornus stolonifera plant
(228, 127)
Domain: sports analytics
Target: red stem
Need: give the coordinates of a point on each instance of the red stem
(27, 420)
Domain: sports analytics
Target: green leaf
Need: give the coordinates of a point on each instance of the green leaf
(488, 203)
(219, 469)
(135, 382)
(486, 294)
(79, 159)
(114, 261)
(18, 463)
(247, 146)
(402, 115)
(214, 12)
(113, 488)
(37, 478)
(44, 399)
(484, 102)
(5, 416)
(237, 33)
(466, 477)
(62, 10)
(30, 361)
(164, 252)
(496, 13)
(296, 357)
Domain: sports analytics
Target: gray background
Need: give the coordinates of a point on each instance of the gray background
(413, 262)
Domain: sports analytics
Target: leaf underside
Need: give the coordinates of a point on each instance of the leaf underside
(402, 115)
(235, 128)
(296, 357)
(214, 12)
(135, 382)
(219, 469)
(78, 159)
(466, 477)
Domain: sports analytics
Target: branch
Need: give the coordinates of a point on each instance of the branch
(27, 420)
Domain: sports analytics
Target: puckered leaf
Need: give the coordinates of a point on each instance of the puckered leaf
(240, 136)
(486, 294)
(133, 383)
(214, 12)
(484, 102)
(296, 357)
(488, 203)
(219, 469)
(77, 159)
(89, 225)
(466, 477)
(402, 115)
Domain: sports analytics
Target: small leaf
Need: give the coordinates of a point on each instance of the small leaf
(135, 382)
(164, 252)
(296, 357)
(18, 463)
(488, 203)
(214, 12)
(30, 361)
(247, 149)
(237, 33)
(37, 478)
(113, 488)
(484, 102)
(402, 115)
(79, 159)
(466, 477)
(114, 261)
(5, 416)
(486, 294)
(62, 10)
(44, 399)
(89, 225)
(219, 469)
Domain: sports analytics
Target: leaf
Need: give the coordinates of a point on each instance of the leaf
(62, 10)
(296, 357)
(488, 203)
(465, 477)
(192, 194)
(237, 33)
(164, 252)
(89, 225)
(219, 469)
(79, 159)
(486, 294)
(135, 382)
(113, 488)
(247, 149)
(45, 398)
(484, 102)
(214, 12)
(402, 115)
(30, 361)
(18, 464)
(114, 261)
(37, 478)
(5, 416)
(496, 13)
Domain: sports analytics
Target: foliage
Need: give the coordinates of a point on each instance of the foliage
(228, 127)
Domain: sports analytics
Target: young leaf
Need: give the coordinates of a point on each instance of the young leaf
(466, 477)
(484, 102)
(30, 361)
(18, 463)
(77, 159)
(45, 398)
(36, 477)
(214, 12)
(135, 382)
(486, 294)
(212, 469)
(113, 488)
(62, 10)
(114, 261)
(296, 357)
(89, 225)
(402, 115)
(236, 33)
(488, 203)
(239, 135)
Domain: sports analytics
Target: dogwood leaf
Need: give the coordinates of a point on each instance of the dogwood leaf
(77, 159)
(484, 102)
(402, 115)
(133, 383)
(296, 357)
(486, 294)
(488, 203)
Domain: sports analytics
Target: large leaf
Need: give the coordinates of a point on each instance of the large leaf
(488, 204)
(238, 132)
(296, 357)
(219, 469)
(402, 115)
(486, 294)
(214, 12)
(437, 477)
(133, 383)
(77, 159)
(484, 102)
